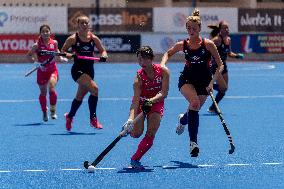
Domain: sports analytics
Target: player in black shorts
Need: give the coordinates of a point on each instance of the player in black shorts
(83, 43)
(221, 39)
(196, 79)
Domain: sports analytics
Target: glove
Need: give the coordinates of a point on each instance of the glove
(146, 107)
(39, 66)
(103, 59)
(127, 128)
(239, 56)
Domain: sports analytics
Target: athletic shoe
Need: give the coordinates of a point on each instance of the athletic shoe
(194, 149)
(44, 116)
(180, 127)
(212, 110)
(68, 122)
(53, 112)
(95, 123)
(135, 164)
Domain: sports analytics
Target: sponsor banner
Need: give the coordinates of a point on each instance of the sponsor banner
(160, 43)
(258, 43)
(215, 15)
(170, 19)
(261, 20)
(113, 43)
(29, 19)
(174, 19)
(16, 44)
(114, 19)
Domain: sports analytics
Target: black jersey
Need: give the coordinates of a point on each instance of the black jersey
(197, 67)
(83, 66)
(223, 50)
(84, 49)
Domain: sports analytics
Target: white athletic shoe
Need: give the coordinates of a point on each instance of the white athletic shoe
(53, 112)
(194, 149)
(180, 127)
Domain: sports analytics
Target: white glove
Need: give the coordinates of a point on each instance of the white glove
(63, 59)
(127, 127)
(39, 66)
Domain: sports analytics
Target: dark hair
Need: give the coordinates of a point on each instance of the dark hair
(145, 52)
(44, 26)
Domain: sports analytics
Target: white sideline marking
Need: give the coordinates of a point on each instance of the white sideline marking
(70, 169)
(5, 171)
(238, 164)
(165, 166)
(127, 99)
(34, 170)
(272, 163)
(205, 165)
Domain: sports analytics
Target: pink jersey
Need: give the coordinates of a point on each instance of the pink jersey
(151, 87)
(41, 58)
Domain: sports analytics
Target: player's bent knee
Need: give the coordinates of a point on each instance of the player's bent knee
(195, 105)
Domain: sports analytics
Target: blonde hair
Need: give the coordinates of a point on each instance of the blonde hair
(195, 17)
(81, 17)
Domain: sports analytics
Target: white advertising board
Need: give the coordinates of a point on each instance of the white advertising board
(173, 19)
(29, 19)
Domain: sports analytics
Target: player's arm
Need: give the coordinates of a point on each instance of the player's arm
(31, 55)
(136, 97)
(173, 50)
(210, 46)
(101, 49)
(234, 55)
(165, 86)
(71, 40)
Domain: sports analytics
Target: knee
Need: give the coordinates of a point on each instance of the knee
(223, 90)
(95, 91)
(135, 134)
(195, 105)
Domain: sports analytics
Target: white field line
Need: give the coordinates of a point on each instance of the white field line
(127, 99)
(165, 166)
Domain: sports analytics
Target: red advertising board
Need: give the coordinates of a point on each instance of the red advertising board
(16, 44)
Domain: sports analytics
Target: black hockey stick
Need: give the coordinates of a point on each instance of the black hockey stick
(45, 52)
(37, 67)
(110, 146)
(224, 124)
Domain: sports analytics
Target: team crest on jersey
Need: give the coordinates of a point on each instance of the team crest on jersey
(195, 58)
(86, 48)
(158, 79)
(51, 46)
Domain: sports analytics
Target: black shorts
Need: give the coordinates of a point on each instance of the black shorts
(200, 86)
(77, 72)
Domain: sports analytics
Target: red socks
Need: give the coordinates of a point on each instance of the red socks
(52, 97)
(42, 101)
(145, 144)
(52, 100)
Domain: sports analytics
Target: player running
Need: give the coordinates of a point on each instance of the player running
(195, 80)
(47, 76)
(221, 38)
(84, 43)
(150, 86)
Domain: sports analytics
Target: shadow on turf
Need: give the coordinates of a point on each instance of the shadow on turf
(32, 124)
(132, 170)
(179, 165)
(73, 133)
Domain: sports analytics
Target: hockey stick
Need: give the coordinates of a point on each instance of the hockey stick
(45, 52)
(111, 145)
(223, 124)
(37, 67)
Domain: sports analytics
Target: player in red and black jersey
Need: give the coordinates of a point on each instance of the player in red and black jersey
(195, 81)
(83, 43)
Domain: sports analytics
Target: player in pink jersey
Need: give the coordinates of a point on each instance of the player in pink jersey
(151, 86)
(47, 76)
